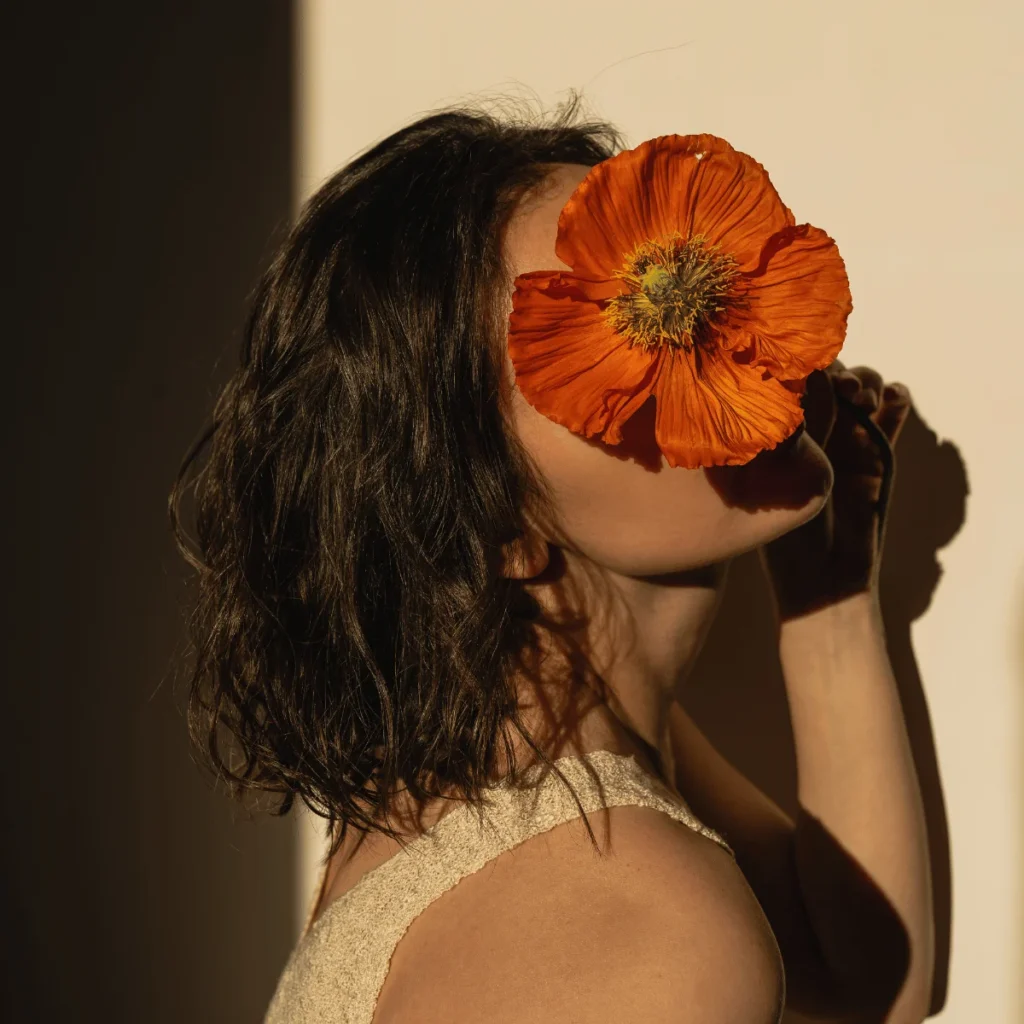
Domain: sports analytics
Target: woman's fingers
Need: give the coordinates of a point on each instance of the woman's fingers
(861, 385)
(869, 394)
(896, 402)
(887, 404)
(869, 378)
(819, 407)
(847, 383)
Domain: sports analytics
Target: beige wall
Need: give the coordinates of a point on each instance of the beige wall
(896, 127)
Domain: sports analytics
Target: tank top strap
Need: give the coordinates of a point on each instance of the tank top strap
(338, 968)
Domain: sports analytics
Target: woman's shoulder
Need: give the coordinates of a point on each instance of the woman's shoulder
(659, 924)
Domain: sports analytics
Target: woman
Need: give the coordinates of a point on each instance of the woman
(425, 606)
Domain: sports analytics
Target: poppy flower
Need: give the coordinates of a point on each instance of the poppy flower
(691, 282)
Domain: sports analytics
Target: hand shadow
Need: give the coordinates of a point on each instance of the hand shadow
(736, 692)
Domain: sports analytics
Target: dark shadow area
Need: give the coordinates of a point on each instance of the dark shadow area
(638, 442)
(736, 692)
(149, 166)
(771, 480)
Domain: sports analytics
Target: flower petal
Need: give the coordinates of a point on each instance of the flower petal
(798, 304)
(570, 366)
(714, 411)
(735, 205)
(636, 195)
(672, 184)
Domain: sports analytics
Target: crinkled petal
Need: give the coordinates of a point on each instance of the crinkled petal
(570, 366)
(798, 301)
(673, 184)
(735, 206)
(714, 411)
(634, 196)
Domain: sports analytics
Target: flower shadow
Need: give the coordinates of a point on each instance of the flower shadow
(638, 443)
(771, 480)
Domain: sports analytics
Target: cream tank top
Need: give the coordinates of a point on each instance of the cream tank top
(337, 969)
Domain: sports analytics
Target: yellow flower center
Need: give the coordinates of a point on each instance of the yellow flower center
(679, 288)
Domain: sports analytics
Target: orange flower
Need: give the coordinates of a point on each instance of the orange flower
(691, 282)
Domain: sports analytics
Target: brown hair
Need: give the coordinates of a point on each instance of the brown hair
(352, 627)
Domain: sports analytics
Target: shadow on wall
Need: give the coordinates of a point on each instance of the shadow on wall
(152, 146)
(736, 692)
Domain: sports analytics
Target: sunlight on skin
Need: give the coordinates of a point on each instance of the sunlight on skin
(637, 516)
(634, 536)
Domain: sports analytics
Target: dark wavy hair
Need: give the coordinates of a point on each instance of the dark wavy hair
(352, 627)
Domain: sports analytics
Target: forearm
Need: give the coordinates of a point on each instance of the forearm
(857, 777)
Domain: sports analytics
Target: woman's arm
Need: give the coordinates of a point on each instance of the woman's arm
(856, 776)
(869, 896)
(847, 887)
(761, 835)
(844, 949)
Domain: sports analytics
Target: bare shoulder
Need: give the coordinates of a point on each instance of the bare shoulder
(661, 927)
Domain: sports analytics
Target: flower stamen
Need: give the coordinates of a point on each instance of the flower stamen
(679, 288)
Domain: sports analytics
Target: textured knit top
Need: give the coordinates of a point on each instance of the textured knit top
(337, 969)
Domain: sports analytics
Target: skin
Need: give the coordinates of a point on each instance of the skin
(641, 546)
(639, 550)
(637, 553)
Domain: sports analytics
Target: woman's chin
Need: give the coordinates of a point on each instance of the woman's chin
(796, 474)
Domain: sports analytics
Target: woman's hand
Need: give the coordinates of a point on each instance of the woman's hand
(837, 554)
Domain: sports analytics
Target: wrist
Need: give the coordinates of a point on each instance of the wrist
(852, 620)
(803, 586)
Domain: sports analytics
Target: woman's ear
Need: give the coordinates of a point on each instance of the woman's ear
(525, 557)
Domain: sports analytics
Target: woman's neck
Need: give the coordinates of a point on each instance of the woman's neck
(635, 643)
